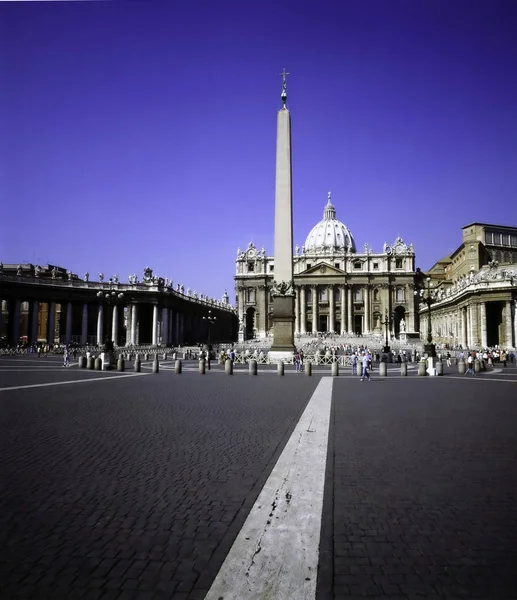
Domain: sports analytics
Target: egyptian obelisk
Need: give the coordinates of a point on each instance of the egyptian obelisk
(283, 284)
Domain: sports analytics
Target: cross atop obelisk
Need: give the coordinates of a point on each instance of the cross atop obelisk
(283, 283)
(284, 86)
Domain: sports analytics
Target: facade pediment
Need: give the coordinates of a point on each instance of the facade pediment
(322, 268)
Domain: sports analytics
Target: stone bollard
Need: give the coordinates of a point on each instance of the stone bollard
(120, 364)
(164, 356)
(228, 366)
(146, 356)
(90, 363)
(98, 364)
(156, 365)
(335, 369)
(461, 366)
(383, 369)
(202, 366)
(403, 369)
(421, 369)
(253, 367)
(137, 364)
(307, 367)
(439, 367)
(82, 362)
(177, 367)
(477, 365)
(280, 368)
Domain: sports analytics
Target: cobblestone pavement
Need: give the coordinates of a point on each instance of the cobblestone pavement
(136, 487)
(424, 493)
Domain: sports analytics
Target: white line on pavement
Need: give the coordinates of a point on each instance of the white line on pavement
(35, 385)
(276, 552)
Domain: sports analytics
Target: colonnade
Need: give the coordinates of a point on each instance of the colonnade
(468, 325)
(94, 322)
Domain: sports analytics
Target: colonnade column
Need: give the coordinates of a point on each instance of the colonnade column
(314, 294)
(303, 310)
(68, 326)
(342, 294)
(84, 325)
(51, 323)
(100, 323)
(171, 327)
(134, 317)
(34, 324)
(464, 330)
(332, 308)
(114, 325)
(155, 325)
(16, 322)
(297, 310)
(508, 322)
(515, 323)
(165, 325)
(349, 307)
(366, 309)
(482, 307)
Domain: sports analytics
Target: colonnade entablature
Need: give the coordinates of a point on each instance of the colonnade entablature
(52, 304)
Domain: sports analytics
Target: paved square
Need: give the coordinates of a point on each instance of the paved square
(137, 486)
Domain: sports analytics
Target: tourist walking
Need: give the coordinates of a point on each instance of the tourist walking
(448, 359)
(297, 362)
(353, 362)
(365, 361)
(470, 365)
(66, 357)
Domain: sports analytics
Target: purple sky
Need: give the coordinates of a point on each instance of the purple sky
(143, 133)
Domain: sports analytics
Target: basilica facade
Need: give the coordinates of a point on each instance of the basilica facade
(338, 289)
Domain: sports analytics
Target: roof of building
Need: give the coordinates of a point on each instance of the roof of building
(494, 225)
(330, 232)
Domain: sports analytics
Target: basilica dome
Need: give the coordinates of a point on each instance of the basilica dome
(330, 233)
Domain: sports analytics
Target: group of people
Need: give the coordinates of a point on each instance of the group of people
(365, 360)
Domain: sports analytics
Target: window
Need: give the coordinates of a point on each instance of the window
(399, 295)
(271, 268)
(398, 263)
(358, 265)
(513, 240)
(251, 267)
(376, 295)
(489, 237)
(376, 266)
(358, 295)
(250, 295)
(323, 295)
(336, 265)
(309, 265)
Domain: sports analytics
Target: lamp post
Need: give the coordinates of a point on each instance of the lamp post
(110, 297)
(423, 294)
(210, 320)
(387, 321)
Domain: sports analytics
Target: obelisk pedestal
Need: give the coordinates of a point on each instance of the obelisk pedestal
(283, 285)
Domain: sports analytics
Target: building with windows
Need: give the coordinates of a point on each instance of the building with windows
(475, 290)
(337, 288)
